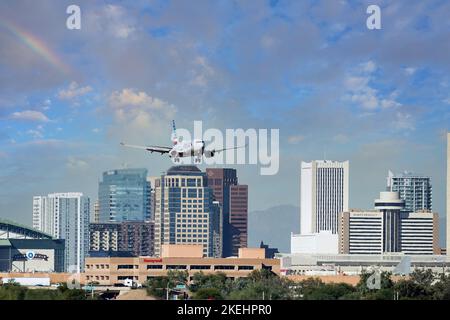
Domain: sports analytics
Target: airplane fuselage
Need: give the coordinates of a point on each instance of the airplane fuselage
(194, 148)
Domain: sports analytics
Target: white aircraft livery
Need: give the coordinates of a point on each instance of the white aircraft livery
(180, 148)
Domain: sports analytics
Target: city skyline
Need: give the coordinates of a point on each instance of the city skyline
(62, 123)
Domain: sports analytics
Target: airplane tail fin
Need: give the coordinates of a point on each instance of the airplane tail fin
(174, 133)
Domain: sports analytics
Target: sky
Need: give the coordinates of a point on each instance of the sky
(312, 69)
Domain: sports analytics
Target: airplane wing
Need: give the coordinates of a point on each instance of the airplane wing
(158, 149)
(220, 150)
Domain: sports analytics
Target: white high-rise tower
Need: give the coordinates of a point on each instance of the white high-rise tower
(323, 195)
(65, 216)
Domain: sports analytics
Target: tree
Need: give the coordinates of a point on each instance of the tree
(208, 294)
(176, 277)
(330, 291)
(157, 286)
(386, 284)
(418, 286)
(217, 280)
(441, 290)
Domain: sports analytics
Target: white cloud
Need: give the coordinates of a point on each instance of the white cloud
(404, 121)
(447, 101)
(368, 66)
(202, 72)
(388, 103)
(96, 130)
(363, 94)
(410, 71)
(46, 104)
(139, 109)
(296, 139)
(29, 115)
(73, 91)
(76, 163)
(111, 20)
(35, 134)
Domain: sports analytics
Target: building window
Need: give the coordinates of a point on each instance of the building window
(154, 266)
(222, 267)
(125, 266)
(176, 267)
(200, 267)
(245, 267)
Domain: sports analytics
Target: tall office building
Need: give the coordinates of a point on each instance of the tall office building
(415, 189)
(65, 216)
(40, 220)
(387, 229)
(323, 195)
(185, 212)
(233, 197)
(238, 218)
(448, 193)
(390, 205)
(152, 183)
(124, 195)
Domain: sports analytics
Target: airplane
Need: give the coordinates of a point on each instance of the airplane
(181, 149)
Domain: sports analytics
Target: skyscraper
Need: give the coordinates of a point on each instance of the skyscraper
(124, 195)
(323, 195)
(390, 205)
(415, 189)
(40, 220)
(448, 193)
(233, 197)
(185, 212)
(65, 216)
(238, 218)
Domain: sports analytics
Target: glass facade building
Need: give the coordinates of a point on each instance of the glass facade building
(415, 189)
(185, 211)
(124, 195)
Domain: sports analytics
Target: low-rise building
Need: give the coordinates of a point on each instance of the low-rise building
(112, 270)
(135, 237)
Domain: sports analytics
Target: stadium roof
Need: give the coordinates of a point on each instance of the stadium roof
(13, 230)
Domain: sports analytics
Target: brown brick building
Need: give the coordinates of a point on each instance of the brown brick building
(233, 198)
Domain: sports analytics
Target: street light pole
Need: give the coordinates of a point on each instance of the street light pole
(167, 291)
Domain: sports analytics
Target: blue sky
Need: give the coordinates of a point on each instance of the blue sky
(379, 98)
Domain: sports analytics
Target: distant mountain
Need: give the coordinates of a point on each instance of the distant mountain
(274, 226)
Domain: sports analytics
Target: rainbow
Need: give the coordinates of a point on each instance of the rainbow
(37, 45)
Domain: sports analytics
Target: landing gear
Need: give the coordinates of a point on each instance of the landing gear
(177, 159)
(198, 159)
